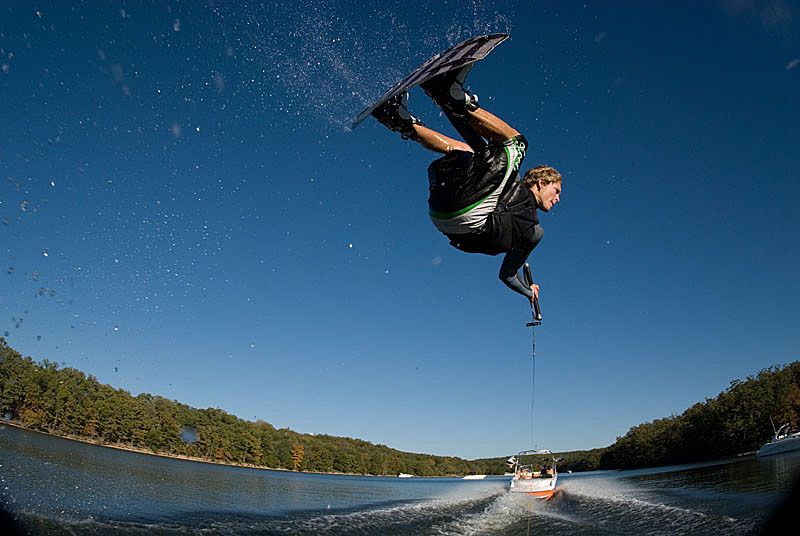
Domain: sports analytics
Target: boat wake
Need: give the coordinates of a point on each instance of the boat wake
(485, 510)
(580, 506)
(614, 507)
(451, 515)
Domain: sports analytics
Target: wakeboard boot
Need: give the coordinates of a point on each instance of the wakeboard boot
(394, 115)
(448, 93)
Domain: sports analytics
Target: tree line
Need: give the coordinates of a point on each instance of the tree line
(66, 402)
(738, 420)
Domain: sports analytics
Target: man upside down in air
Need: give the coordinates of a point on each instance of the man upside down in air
(477, 198)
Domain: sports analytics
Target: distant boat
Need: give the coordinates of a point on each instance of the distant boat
(782, 441)
(474, 477)
(404, 475)
(535, 473)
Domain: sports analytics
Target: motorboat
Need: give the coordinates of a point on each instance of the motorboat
(404, 475)
(784, 440)
(474, 477)
(535, 473)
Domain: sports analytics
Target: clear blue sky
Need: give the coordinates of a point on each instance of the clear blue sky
(184, 212)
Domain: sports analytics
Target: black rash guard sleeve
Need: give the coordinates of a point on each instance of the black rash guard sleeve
(509, 270)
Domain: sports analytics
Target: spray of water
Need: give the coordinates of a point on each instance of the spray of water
(323, 62)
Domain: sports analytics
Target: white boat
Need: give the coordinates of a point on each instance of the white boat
(783, 441)
(404, 475)
(474, 477)
(535, 473)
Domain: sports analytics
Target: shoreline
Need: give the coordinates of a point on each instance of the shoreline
(136, 450)
(183, 457)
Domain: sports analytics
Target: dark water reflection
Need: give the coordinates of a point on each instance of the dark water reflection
(770, 474)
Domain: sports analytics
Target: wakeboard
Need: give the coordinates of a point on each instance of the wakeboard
(455, 57)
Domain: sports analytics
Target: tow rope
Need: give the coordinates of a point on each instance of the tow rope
(536, 320)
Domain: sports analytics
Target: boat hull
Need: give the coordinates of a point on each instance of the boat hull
(780, 446)
(541, 488)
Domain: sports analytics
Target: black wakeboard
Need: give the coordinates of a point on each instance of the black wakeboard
(455, 57)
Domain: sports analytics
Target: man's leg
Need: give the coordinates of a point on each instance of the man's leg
(437, 142)
(394, 115)
(462, 109)
(490, 126)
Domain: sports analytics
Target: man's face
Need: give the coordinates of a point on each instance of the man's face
(547, 194)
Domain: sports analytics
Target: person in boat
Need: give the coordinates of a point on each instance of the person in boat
(477, 198)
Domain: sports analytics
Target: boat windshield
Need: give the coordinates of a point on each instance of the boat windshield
(536, 469)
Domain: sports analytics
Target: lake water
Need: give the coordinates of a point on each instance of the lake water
(55, 486)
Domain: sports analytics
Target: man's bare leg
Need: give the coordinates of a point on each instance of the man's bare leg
(461, 108)
(485, 123)
(437, 142)
(490, 126)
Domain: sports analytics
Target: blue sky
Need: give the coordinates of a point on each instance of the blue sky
(184, 212)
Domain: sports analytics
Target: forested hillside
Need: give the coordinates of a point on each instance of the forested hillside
(736, 421)
(67, 402)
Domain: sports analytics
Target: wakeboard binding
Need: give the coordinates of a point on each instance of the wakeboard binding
(447, 91)
(394, 115)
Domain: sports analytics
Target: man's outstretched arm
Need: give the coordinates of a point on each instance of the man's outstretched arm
(509, 270)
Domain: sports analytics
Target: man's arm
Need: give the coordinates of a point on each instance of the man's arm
(509, 270)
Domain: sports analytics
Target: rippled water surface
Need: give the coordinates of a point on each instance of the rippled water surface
(55, 486)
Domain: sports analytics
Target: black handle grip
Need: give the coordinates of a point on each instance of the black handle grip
(526, 271)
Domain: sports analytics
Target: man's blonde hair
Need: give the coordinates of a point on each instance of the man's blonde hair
(544, 173)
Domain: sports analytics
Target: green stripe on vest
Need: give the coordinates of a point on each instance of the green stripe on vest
(510, 164)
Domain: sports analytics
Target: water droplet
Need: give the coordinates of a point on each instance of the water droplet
(189, 434)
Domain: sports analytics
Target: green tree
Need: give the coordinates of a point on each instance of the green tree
(298, 451)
